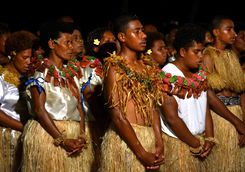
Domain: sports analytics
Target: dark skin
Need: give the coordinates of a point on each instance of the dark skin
(60, 50)
(225, 36)
(188, 59)
(218, 107)
(9, 122)
(125, 130)
(133, 40)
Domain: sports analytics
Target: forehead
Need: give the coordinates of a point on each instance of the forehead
(65, 36)
(135, 24)
(226, 23)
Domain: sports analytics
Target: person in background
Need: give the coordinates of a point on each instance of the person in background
(13, 108)
(226, 80)
(156, 48)
(4, 34)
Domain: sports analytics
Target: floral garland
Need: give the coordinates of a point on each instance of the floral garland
(10, 77)
(92, 62)
(182, 85)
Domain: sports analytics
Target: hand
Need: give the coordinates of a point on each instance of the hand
(241, 140)
(150, 161)
(240, 127)
(73, 146)
(207, 147)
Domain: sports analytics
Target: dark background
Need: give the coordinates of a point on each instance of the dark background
(94, 13)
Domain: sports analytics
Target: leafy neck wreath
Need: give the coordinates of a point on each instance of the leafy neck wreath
(10, 77)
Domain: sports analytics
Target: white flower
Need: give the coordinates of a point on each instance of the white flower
(96, 42)
(149, 52)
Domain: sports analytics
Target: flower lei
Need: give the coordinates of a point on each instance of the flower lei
(92, 62)
(194, 85)
(10, 77)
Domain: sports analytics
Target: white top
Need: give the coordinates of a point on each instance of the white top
(60, 103)
(192, 111)
(9, 96)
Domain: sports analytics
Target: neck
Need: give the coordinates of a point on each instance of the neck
(12, 68)
(220, 45)
(186, 71)
(58, 62)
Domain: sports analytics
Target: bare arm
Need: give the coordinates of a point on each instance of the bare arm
(43, 117)
(170, 109)
(70, 145)
(218, 107)
(243, 105)
(9, 122)
(123, 126)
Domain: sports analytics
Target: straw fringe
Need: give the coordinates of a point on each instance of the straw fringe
(227, 72)
(9, 140)
(178, 157)
(116, 156)
(227, 156)
(41, 155)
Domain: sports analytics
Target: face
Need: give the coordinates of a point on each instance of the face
(135, 38)
(240, 41)
(159, 52)
(107, 37)
(193, 55)
(226, 33)
(77, 42)
(63, 46)
(22, 60)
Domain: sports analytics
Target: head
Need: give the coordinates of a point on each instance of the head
(56, 39)
(4, 34)
(150, 28)
(155, 43)
(239, 43)
(77, 41)
(223, 30)
(130, 33)
(19, 46)
(189, 44)
(97, 38)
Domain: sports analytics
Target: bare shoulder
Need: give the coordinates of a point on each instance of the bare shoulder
(208, 62)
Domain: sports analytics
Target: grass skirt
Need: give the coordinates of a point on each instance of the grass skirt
(178, 157)
(40, 154)
(9, 149)
(227, 156)
(117, 156)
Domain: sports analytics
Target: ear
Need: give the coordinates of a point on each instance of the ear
(182, 52)
(121, 36)
(215, 32)
(51, 44)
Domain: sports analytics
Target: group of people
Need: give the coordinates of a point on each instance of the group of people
(119, 104)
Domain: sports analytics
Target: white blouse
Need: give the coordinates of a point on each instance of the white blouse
(9, 96)
(191, 110)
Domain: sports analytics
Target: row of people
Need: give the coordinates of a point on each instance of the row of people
(147, 108)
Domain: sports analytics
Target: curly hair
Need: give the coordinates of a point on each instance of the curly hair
(187, 35)
(152, 37)
(19, 41)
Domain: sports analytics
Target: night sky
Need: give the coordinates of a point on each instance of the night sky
(25, 15)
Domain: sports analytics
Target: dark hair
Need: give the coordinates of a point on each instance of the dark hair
(4, 28)
(19, 41)
(121, 23)
(187, 35)
(52, 30)
(152, 37)
(217, 20)
(95, 34)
